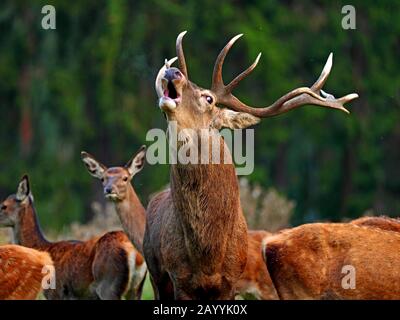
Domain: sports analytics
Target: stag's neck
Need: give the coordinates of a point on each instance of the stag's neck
(206, 199)
(132, 215)
(27, 231)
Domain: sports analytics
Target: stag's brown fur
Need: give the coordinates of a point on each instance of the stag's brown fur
(100, 268)
(255, 281)
(22, 272)
(196, 235)
(382, 222)
(306, 262)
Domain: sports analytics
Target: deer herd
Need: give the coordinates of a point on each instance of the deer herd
(192, 238)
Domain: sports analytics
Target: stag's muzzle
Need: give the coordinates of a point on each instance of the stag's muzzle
(171, 89)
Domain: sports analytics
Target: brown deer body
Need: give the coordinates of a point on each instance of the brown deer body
(310, 261)
(22, 272)
(255, 282)
(201, 260)
(195, 241)
(262, 287)
(101, 268)
(382, 222)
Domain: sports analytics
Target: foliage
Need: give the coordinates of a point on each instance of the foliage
(265, 209)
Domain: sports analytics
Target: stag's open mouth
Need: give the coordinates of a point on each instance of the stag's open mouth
(171, 95)
(170, 91)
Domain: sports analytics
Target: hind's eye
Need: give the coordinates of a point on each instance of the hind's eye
(209, 99)
(125, 179)
(3, 207)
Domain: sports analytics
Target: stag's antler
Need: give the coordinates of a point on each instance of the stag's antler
(181, 55)
(295, 98)
(161, 73)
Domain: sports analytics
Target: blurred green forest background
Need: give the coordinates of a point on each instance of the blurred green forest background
(89, 85)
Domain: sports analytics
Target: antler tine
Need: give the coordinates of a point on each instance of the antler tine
(306, 99)
(317, 86)
(181, 55)
(217, 81)
(324, 74)
(294, 99)
(234, 103)
(161, 73)
(347, 98)
(243, 75)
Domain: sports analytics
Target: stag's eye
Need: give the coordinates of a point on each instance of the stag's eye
(209, 99)
(3, 207)
(102, 179)
(125, 179)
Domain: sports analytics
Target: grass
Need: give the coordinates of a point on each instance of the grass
(147, 290)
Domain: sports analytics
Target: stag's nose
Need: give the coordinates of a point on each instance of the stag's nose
(107, 190)
(172, 74)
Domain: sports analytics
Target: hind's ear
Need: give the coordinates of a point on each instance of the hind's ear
(137, 162)
(95, 168)
(23, 190)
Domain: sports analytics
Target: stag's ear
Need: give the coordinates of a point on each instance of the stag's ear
(23, 190)
(226, 118)
(137, 162)
(95, 168)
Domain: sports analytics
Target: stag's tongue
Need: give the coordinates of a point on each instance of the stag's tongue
(166, 103)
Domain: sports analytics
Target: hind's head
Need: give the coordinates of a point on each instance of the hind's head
(115, 180)
(12, 207)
